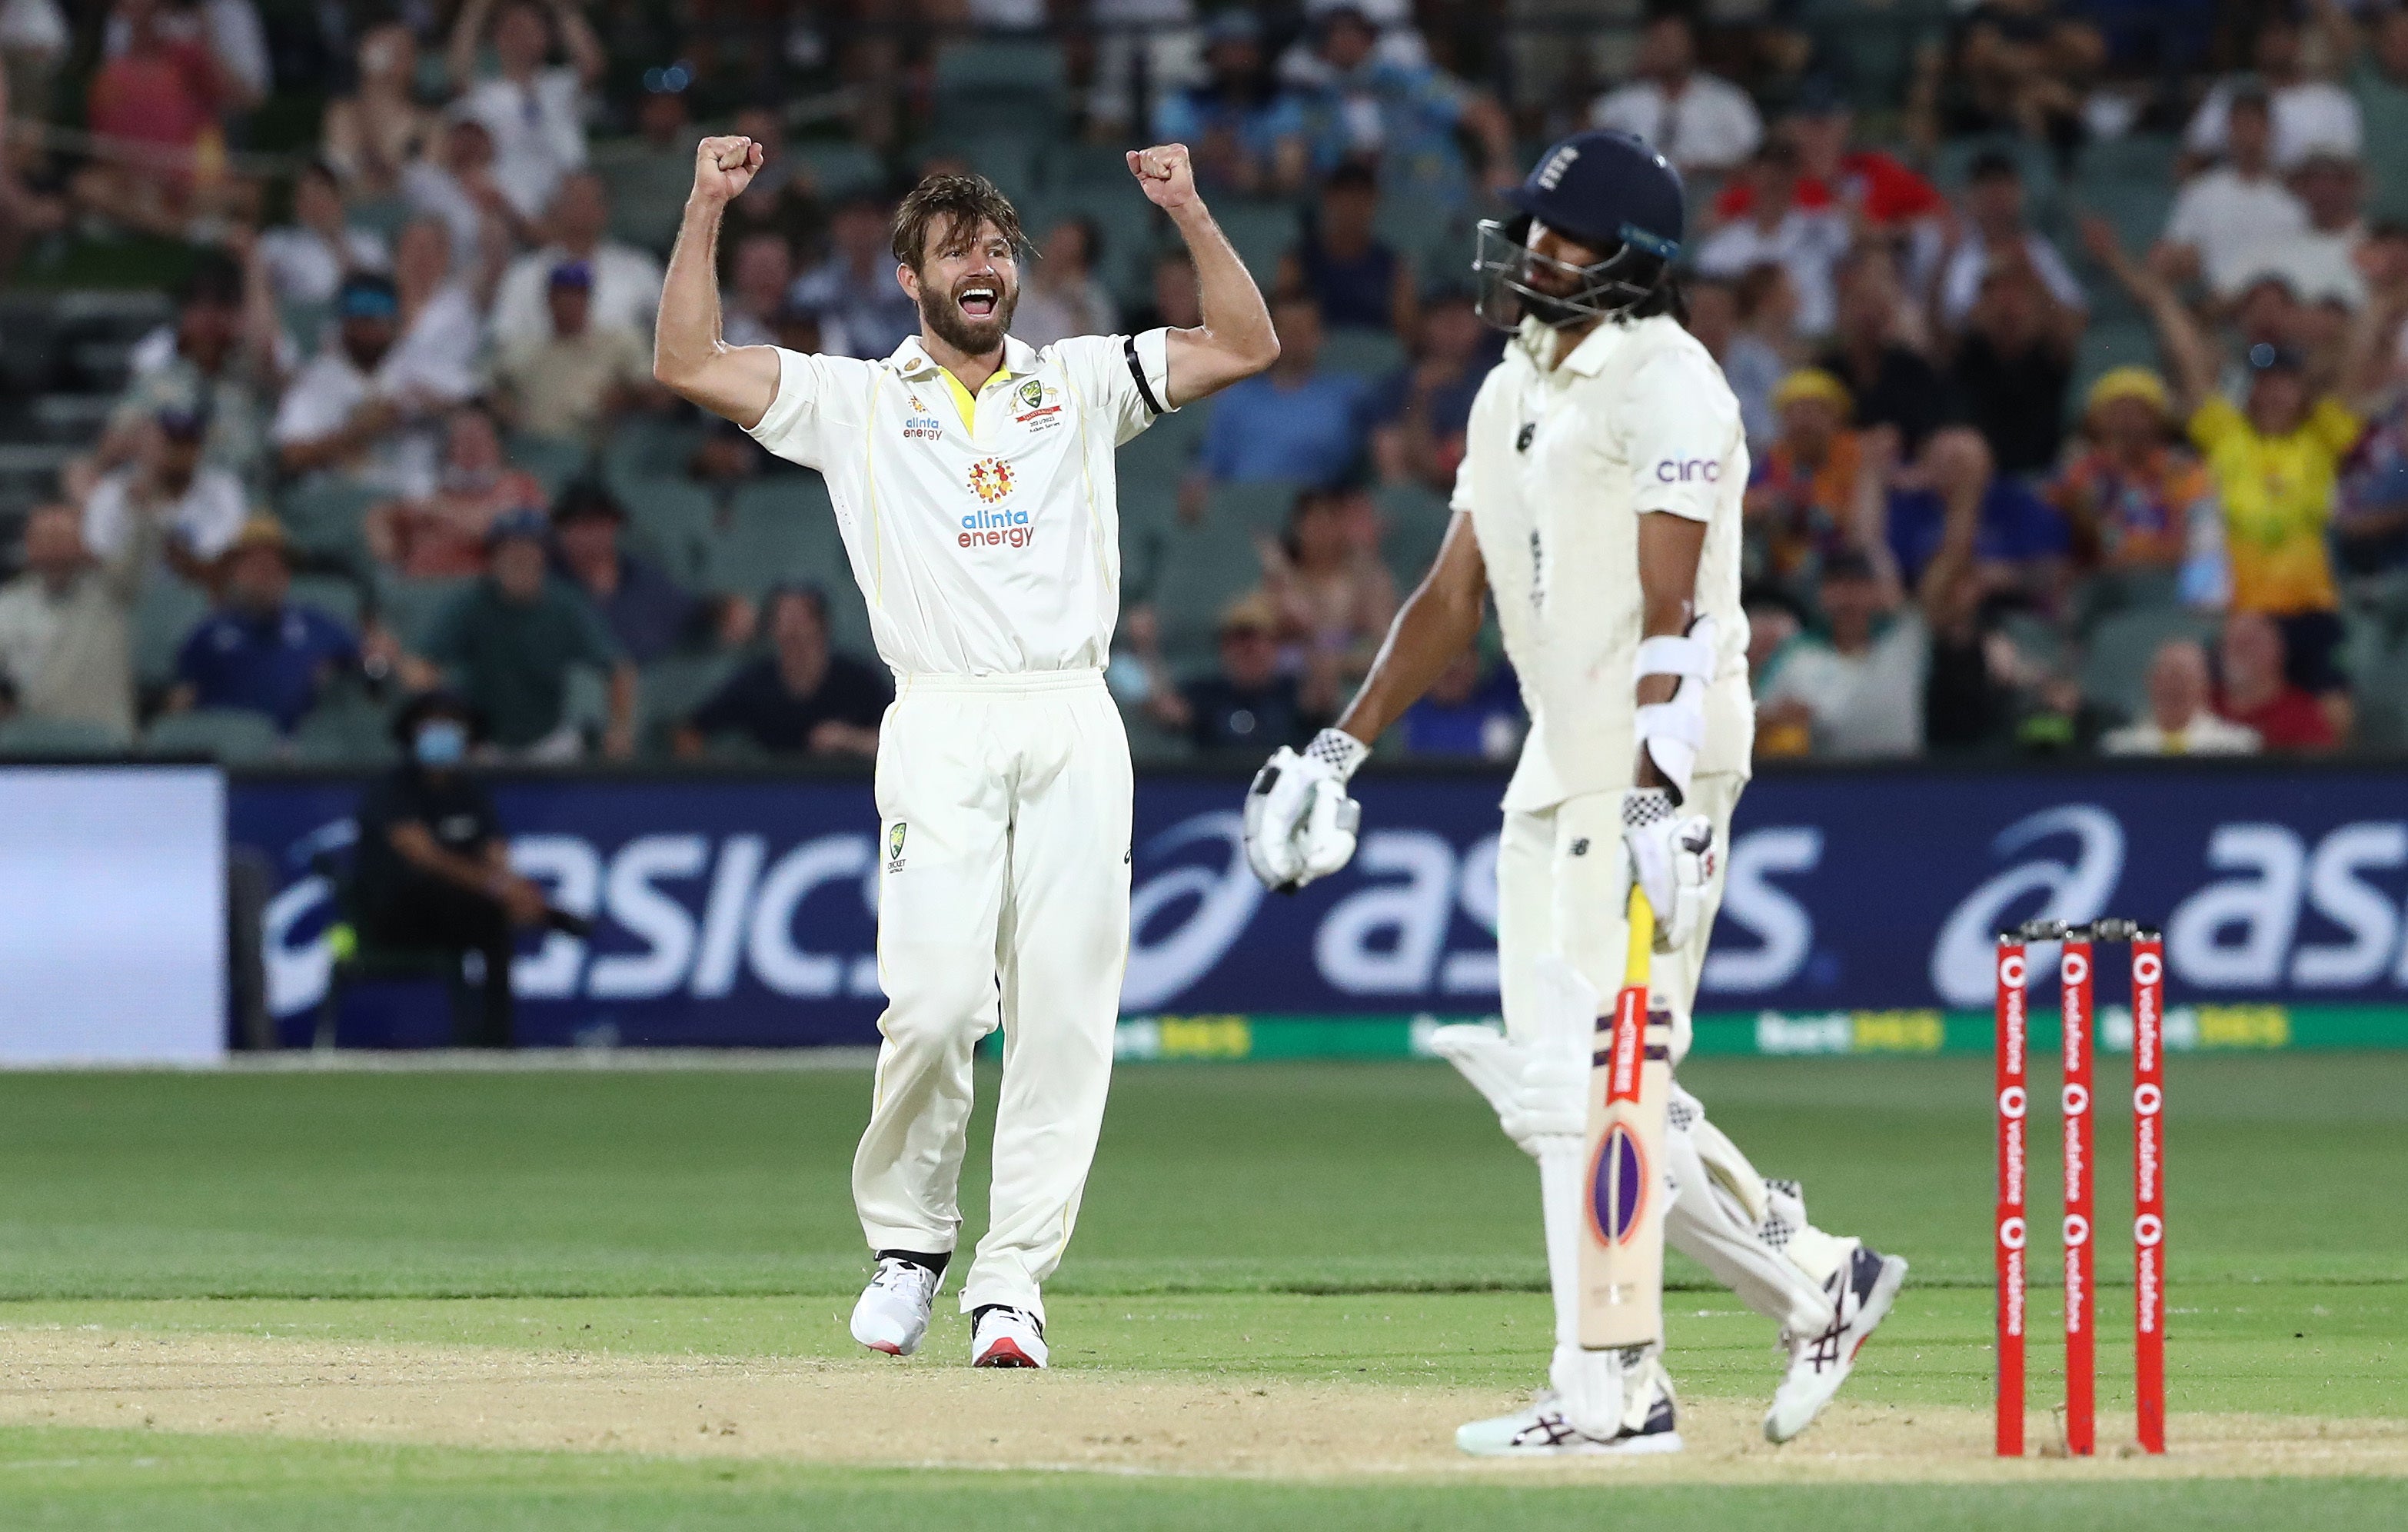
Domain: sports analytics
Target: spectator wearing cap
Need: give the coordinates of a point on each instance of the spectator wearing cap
(66, 646)
(200, 508)
(261, 651)
(363, 408)
(2011, 365)
(802, 697)
(535, 112)
(1063, 296)
(860, 308)
(1295, 423)
(220, 359)
(1423, 410)
(1248, 703)
(2222, 216)
(569, 381)
(2331, 185)
(760, 268)
(309, 258)
(1471, 712)
(2256, 695)
(1245, 130)
(1701, 122)
(433, 868)
(643, 608)
(1805, 242)
(2305, 111)
(1357, 278)
(1799, 494)
(2180, 721)
(625, 283)
(1892, 381)
(1997, 229)
(2137, 500)
(509, 642)
(441, 536)
(2275, 460)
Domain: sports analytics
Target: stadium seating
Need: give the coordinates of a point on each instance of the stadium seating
(236, 736)
(165, 613)
(336, 596)
(58, 737)
(324, 516)
(674, 687)
(552, 460)
(412, 607)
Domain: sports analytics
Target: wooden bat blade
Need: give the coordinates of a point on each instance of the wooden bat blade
(1622, 1253)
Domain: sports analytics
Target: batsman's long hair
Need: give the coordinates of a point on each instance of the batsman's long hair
(951, 207)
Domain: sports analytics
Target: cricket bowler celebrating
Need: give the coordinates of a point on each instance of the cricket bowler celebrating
(1598, 502)
(972, 480)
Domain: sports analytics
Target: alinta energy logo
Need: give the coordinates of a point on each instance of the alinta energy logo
(991, 479)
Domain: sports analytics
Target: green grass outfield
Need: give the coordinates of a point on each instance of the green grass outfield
(1356, 1222)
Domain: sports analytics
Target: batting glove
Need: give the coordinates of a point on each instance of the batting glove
(1299, 823)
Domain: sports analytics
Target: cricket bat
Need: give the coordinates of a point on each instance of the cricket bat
(1621, 1251)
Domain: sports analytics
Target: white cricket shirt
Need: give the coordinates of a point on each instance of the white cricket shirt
(1559, 467)
(990, 546)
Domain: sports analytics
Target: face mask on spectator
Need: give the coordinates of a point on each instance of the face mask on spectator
(441, 743)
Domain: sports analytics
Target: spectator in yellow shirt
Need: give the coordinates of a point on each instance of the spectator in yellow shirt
(2276, 459)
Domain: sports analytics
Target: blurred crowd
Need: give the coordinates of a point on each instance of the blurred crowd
(2068, 337)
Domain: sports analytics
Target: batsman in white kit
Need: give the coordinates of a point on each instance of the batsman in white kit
(1598, 502)
(972, 480)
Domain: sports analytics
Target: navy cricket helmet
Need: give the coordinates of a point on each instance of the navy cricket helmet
(1607, 190)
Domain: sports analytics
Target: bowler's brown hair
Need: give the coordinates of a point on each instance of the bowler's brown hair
(953, 206)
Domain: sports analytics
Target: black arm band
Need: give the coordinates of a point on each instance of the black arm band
(1137, 371)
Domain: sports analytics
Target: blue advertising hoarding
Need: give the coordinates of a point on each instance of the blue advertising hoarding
(740, 911)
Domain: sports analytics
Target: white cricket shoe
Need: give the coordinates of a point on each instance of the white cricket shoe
(1540, 1430)
(1819, 1364)
(1006, 1338)
(893, 1313)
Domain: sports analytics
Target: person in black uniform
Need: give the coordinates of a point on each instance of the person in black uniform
(432, 868)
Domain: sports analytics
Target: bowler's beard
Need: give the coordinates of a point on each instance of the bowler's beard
(942, 313)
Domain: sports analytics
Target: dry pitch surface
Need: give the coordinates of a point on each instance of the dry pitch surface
(926, 1412)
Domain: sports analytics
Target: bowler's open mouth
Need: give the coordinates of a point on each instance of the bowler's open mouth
(978, 299)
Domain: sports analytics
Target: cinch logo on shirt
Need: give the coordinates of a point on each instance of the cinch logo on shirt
(1682, 471)
(991, 479)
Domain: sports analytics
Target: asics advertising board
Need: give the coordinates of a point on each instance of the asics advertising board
(740, 910)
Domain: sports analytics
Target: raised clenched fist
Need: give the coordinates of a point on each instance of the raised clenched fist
(723, 167)
(1163, 171)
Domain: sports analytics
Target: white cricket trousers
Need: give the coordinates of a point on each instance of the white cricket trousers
(1557, 876)
(1003, 897)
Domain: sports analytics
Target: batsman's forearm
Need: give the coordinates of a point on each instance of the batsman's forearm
(1431, 628)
